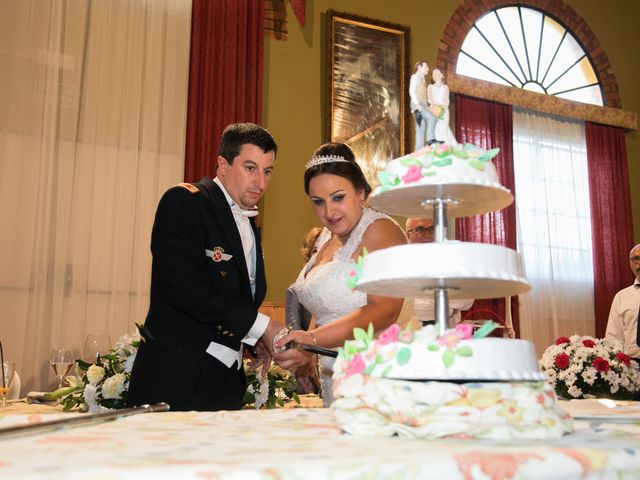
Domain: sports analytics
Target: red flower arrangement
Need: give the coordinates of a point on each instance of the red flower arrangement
(586, 367)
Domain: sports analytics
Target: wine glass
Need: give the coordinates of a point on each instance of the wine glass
(94, 346)
(8, 371)
(61, 361)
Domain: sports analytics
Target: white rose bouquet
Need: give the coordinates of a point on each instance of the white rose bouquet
(102, 385)
(276, 387)
(587, 367)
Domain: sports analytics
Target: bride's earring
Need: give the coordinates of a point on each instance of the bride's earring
(362, 204)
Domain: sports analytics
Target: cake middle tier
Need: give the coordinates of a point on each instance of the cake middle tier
(467, 270)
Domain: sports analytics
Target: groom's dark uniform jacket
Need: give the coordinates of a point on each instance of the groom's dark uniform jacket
(196, 297)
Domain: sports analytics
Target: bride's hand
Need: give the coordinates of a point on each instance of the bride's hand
(292, 358)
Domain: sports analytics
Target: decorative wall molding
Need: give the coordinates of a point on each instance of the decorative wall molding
(469, 11)
(542, 103)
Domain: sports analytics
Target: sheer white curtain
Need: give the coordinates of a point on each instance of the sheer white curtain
(92, 131)
(554, 227)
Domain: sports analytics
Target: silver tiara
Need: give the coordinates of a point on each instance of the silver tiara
(324, 159)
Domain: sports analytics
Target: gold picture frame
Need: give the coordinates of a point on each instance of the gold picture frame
(367, 98)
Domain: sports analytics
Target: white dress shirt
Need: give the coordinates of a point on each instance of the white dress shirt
(223, 353)
(622, 325)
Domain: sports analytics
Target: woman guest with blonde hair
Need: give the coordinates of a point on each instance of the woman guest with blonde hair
(309, 243)
(338, 190)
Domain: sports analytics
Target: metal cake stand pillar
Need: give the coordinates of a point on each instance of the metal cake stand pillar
(440, 293)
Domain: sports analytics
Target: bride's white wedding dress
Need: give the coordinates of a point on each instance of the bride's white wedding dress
(439, 96)
(323, 290)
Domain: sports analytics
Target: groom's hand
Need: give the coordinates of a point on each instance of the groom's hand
(264, 357)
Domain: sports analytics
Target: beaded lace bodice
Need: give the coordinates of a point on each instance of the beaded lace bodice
(323, 290)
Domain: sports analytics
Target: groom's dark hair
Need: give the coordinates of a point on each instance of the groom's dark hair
(238, 134)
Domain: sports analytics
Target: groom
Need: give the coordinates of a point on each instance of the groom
(207, 282)
(425, 120)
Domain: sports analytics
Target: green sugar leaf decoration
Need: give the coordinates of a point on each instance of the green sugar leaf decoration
(465, 351)
(403, 356)
(485, 329)
(448, 357)
(478, 165)
(370, 329)
(350, 350)
(388, 179)
(386, 371)
(433, 347)
(443, 162)
(352, 282)
(369, 369)
(361, 335)
(460, 154)
(410, 162)
(489, 154)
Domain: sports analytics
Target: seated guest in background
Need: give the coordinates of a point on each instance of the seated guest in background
(420, 230)
(338, 190)
(310, 243)
(207, 282)
(623, 325)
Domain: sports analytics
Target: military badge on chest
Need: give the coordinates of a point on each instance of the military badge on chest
(217, 254)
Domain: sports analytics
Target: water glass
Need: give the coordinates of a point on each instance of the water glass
(94, 346)
(6, 379)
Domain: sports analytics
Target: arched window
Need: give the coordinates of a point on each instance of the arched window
(526, 48)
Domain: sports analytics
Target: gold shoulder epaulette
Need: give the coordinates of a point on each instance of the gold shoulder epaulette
(188, 186)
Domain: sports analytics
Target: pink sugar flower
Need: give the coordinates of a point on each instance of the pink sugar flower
(356, 365)
(464, 331)
(440, 149)
(449, 339)
(390, 335)
(406, 336)
(413, 174)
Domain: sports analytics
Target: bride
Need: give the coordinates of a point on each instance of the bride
(338, 190)
(438, 98)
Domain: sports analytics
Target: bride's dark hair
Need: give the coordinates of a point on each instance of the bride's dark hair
(349, 169)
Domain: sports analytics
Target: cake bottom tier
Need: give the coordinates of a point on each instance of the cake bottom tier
(378, 407)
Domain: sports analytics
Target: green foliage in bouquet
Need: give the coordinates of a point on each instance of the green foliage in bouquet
(587, 367)
(277, 387)
(101, 385)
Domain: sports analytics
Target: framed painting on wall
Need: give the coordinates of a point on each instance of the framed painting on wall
(367, 98)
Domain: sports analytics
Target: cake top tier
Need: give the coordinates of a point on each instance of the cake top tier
(464, 175)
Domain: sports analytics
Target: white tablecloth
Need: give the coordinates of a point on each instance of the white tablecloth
(297, 444)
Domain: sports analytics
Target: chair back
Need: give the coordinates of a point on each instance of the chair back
(503, 329)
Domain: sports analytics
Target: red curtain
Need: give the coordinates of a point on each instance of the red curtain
(489, 125)
(611, 221)
(225, 76)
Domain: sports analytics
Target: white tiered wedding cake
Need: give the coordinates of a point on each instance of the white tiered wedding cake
(443, 381)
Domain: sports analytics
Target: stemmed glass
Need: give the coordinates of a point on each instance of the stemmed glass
(61, 361)
(8, 371)
(94, 346)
